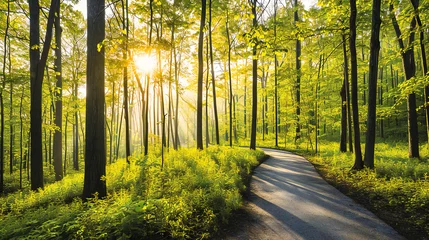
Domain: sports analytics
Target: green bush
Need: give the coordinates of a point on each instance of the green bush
(195, 192)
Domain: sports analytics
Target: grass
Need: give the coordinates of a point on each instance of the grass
(193, 195)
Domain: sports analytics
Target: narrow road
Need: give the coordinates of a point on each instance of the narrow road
(289, 200)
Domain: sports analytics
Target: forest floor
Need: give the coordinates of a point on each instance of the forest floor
(289, 200)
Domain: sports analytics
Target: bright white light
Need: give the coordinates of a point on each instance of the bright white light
(145, 63)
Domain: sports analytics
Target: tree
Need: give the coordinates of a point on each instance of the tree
(216, 119)
(372, 84)
(200, 77)
(298, 74)
(125, 26)
(95, 148)
(58, 141)
(358, 154)
(409, 66)
(254, 78)
(1, 98)
(37, 69)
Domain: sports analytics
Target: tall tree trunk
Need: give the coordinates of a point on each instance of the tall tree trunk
(409, 66)
(37, 66)
(298, 75)
(58, 141)
(216, 119)
(200, 77)
(276, 98)
(21, 137)
(207, 92)
(1, 98)
(95, 152)
(125, 23)
(347, 93)
(354, 77)
(372, 84)
(76, 132)
(415, 4)
(343, 134)
(254, 81)
(229, 77)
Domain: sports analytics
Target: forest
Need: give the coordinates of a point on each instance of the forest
(142, 119)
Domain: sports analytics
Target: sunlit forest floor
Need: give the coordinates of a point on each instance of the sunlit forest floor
(397, 190)
(189, 194)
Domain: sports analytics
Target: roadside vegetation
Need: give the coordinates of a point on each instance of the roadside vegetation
(189, 195)
(397, 190)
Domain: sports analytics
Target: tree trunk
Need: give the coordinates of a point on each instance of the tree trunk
(372, 84)
(125, 58)
(37, 66)
(409, 66)
(200, 77)
(354, 79)
(76, 133)
(229, 77)
(95, 152)
(415, 4)
(298, 75)
(58, 141)
(213, 75)
(347, 94)
(254, 82)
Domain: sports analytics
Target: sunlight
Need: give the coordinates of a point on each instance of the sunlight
(145, 63)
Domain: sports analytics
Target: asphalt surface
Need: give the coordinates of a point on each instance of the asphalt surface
(289, 200)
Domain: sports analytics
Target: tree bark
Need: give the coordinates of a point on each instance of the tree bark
(298, 75)
(254, 81)
(372, 84)
(408, 63)
(125, 78)
(216, 119)
(37, 67)
(354, 79)
(200, 77)
(229, 77)
(95, 152)
(58, 141)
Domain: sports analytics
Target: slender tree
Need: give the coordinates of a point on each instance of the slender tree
(409, 65)
(58, 141)
(5, 49)
(255, 78)
(298, 75)
(354, 79)
(216, 120)
(95, 152)
(372, 84)
(200, 77)
(125, 26)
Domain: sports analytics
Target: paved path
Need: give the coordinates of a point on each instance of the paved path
(289, 200)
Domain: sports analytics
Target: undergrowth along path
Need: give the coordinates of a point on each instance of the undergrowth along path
(289, 200)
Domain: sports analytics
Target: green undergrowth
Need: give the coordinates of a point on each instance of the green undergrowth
(194, 194)
(397, 190)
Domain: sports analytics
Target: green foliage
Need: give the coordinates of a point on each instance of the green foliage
(194, 193)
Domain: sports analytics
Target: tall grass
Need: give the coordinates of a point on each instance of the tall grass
(190, 197)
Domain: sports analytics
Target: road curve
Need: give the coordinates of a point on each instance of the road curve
(289, 200)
